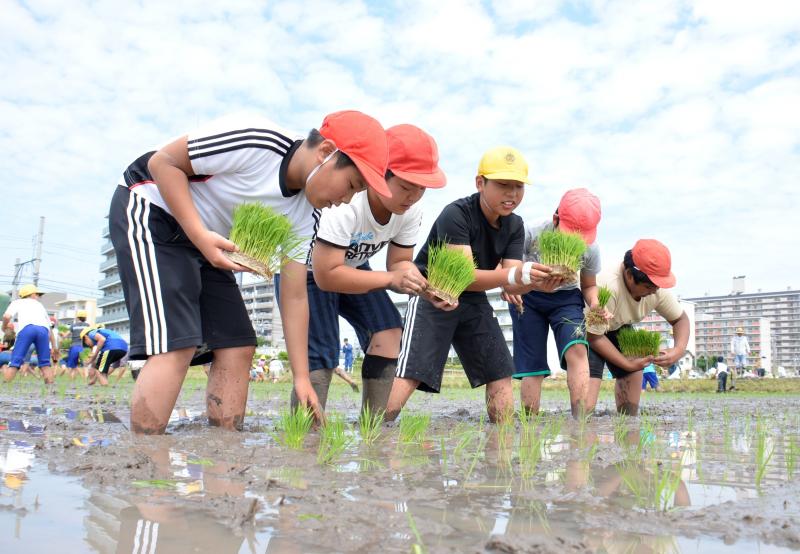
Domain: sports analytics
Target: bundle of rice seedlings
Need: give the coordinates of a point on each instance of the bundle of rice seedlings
(594, 321)
(638, 343)
(562, 252)
(264, 238)
(450, 272)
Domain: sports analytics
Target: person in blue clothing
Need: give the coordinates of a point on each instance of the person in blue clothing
(34, 329)
(650, 376)
(347, 350)
(107, 347)
(76, 346)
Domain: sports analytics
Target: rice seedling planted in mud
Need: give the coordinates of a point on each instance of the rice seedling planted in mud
(638, 343)
(293, 427)
(790, 454)
(413, 427)
(369, 424)
(763, 453)
(333, 439)
(450, 271)
(263, 237)
(563, 252)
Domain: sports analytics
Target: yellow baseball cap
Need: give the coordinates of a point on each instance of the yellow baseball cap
(81, 313)
(89, 330)
(504, 162)
(26, 290)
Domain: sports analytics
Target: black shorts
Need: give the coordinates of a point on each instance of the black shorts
(597, 362)
(175, 298)
(107, 358)
(473, 331)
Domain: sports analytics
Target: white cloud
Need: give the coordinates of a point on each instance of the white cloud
(680, 115)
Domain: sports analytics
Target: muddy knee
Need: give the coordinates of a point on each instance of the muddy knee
(377, 374)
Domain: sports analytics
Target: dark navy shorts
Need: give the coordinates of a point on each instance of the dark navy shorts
(175, 298)
(651, 378)
(597, 363)
(74, 356)
(368, 313)
(471, 328)
(561, 311)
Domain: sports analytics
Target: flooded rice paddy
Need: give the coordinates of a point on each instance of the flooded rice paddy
(694, 473)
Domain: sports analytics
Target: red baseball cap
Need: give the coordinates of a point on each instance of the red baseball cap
(363, 139)
(654, 260)
(413, 156)
(579, 212)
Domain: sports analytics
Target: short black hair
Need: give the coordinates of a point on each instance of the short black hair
(720, 358)
(639, 276)
(314, 138)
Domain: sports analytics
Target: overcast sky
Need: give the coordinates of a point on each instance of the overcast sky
(682, 117)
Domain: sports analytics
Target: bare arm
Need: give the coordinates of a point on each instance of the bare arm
(6, 321)
(294, 316)
(332, 273)
(171, 168)
(680, 331)
(589, 289)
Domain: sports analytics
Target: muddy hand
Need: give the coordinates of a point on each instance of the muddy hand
(440, 303)
(213, 247)
(408, 281)
(667, 357)
(515, 299)
(638, 364)
(307, 398)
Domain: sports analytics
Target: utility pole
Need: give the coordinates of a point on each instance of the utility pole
(37, 261)
(15, 280)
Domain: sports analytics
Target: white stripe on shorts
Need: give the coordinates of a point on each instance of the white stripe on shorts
(405, 340)
(151, 303)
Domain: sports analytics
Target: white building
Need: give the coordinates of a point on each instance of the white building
(66, 310)
(114, 313)
(262, 307)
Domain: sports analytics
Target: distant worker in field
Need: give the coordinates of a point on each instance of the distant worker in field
(721, 371)
(347, 350)
(34, 329)
(740, 348)
(650, 377)
(107, 347)
(637, 286)
(76, 347)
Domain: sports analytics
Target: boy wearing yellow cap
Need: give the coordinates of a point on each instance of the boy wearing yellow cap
(76, 347)
(536, 313)
(484, 227)
(33, 324)
(637, 286)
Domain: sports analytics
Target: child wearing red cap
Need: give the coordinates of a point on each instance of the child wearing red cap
(536, 312)
(343, 284)
(169, 220)
(637, 286)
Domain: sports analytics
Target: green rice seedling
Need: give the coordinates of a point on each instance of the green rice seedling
(638, 343)
(443, 448)
(264, 238)
(665, 483)
(293, 427)
(563, 252)
(450, 271)
(476, 455)
(413, 427)
(763, 453)
(790, 454)
(369, 424)
(620, 428)
(593, 319)
(333, 439)
(418, 547)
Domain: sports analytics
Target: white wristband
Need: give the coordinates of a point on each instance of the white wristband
(512, 276)
(526, 273)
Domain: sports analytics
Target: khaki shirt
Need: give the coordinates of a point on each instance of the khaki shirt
(626, 310)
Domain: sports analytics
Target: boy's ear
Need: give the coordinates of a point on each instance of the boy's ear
(324, 149)
(479, 182)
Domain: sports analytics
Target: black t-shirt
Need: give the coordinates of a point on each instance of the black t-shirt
(463, 222)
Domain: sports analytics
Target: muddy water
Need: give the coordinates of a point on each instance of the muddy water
(694, 475)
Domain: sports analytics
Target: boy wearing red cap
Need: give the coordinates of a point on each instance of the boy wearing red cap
(536, 312)
(343, 284)
(637, 286)
(484, 227)
(169, 220)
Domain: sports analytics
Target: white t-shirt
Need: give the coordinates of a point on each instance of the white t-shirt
(28, 311)
(275, 367)
(353, 227)
(237, 159)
